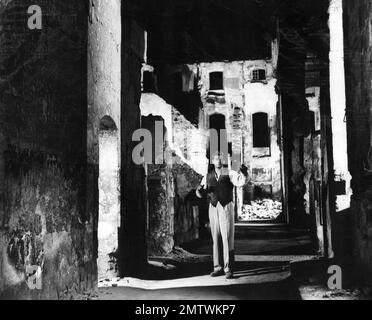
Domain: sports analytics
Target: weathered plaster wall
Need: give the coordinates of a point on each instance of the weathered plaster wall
(185, 139)
(173, 207)
(261, 97)
(189, 141)
(159, 182)
(188, 209)
(109, 204)
(358, 52)
(173, 218)
(160, 237)
(44, 220)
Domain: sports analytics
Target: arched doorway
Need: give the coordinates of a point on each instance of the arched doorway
(109, 199)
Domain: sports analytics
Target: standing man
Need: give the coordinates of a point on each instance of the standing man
(219, 184)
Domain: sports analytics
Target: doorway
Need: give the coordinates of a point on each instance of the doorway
(109, 199)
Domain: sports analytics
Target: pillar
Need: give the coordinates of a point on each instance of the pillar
(338, 107)
(104, 97)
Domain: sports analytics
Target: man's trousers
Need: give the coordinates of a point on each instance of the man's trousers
(222, 228)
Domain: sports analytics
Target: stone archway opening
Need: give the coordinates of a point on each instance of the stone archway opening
(109, 199)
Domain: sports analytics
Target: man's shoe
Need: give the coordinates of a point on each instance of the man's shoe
(216, 273)
(229, 275)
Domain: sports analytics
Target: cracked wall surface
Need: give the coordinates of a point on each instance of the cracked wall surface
(173, 211)
(44, 221)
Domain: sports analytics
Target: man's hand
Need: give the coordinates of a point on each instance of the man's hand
(200, 192)
(244, 170)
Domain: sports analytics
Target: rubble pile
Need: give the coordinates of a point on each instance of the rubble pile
(262, 209)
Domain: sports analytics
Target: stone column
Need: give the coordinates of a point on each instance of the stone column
(338, 104)
(104, 97)
(104, 65)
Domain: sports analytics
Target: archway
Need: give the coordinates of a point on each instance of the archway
(109, 199)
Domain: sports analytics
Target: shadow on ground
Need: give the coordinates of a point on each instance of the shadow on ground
(168, 269)
(282, 290)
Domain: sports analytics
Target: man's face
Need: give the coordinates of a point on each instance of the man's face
(217, 161)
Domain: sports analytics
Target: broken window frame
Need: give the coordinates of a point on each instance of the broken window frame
(259, 75)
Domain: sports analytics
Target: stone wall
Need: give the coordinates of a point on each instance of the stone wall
(44, 223)
(190, 212)
(173, 211)
(358, 54)
(160, 193)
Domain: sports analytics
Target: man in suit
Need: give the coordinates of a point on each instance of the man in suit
(218, 184)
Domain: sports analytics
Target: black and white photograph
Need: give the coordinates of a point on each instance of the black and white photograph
(191, 153)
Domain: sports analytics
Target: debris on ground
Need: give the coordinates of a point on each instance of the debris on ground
(181, 255)
(319, 292)
(261, 209)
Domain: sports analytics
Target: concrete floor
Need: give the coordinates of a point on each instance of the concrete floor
(262, 271)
